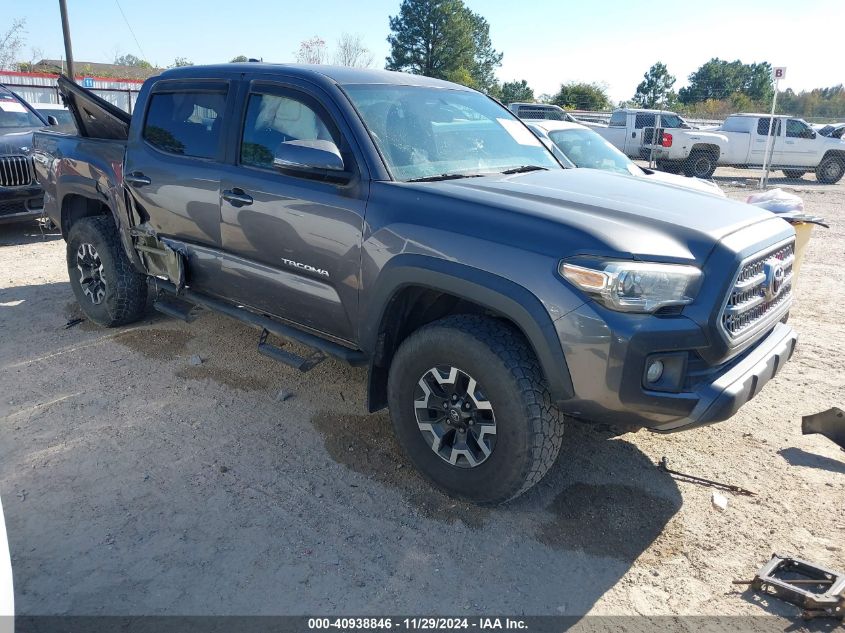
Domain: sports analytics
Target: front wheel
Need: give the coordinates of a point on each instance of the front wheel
(109, 290)
(471, 408)
(830, 170)
(700, 165)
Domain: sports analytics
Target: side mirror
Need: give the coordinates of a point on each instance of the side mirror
(311, 158)
(51, 120)
(810, 134)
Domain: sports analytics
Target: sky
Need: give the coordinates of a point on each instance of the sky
(545, 42)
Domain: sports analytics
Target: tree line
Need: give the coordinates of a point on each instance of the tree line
(445, 39)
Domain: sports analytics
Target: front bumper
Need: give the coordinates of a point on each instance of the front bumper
(721, 398)
(21, 203)
(607, 354)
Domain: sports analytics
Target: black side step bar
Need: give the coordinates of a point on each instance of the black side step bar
(354, 357)
(175, 308)
(288, 358)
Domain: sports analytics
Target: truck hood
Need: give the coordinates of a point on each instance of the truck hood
(611, 214)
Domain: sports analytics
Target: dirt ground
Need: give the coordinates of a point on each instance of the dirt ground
(134, 482)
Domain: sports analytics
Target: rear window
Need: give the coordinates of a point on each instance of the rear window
(185, 123)
(539, 112)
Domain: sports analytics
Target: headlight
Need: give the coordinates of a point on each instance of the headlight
(634, 286)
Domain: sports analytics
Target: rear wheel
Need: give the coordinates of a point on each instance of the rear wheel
(109, 291)
(700, 164)
(794, 173)
(472, 410)
(830, 170)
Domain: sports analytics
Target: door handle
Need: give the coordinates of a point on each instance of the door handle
(236, 197)
(790, 142)
(633, 135)
(137, 178)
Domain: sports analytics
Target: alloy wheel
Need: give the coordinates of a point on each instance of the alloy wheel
(91, 274)
(455, 416)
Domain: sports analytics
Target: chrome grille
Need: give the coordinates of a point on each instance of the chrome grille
(749, 301)
(15, 171)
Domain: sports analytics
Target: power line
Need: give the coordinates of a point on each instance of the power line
(129, 26)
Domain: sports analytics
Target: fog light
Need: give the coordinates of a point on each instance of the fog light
(654, 371)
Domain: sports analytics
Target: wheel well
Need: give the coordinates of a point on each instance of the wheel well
(835, 153)
(407, 311)
(75, 207)
(705, 148)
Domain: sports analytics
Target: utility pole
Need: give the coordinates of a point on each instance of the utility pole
(66, 33)
(778, 73)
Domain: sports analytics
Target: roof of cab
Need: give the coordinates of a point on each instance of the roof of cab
(762, 115)
(342, 75)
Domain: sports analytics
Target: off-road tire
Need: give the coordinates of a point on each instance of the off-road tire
(126, 289)
(794, 173)
(700, 164)
(529, 427)
(830, 170)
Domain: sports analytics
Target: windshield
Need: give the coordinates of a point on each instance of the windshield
(428, 132)
(587, 149)
(14, 114)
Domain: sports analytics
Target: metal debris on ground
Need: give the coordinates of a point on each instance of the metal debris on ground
(830, 423)
(283, 395)
(783, 577)
(719, 501)
(663, 465)
(73, 322)
(195, 360)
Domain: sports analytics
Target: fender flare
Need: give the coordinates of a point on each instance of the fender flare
(87, 187)
(491, 291)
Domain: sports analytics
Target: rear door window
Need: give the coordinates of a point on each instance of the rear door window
(763, 127)
(186, 123)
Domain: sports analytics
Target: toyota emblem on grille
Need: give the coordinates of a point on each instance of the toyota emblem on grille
(774, 279)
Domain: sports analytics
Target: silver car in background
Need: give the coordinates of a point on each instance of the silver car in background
(582, 147)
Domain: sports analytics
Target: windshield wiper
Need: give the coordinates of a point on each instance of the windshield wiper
(444, 177)
(523, 168)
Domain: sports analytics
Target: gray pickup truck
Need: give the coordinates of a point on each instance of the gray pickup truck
(419, 228)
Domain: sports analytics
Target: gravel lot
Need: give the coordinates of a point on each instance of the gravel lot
(137, 483)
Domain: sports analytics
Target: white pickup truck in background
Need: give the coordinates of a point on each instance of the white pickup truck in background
(741, 141)
(677, 146)
(795, 148)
